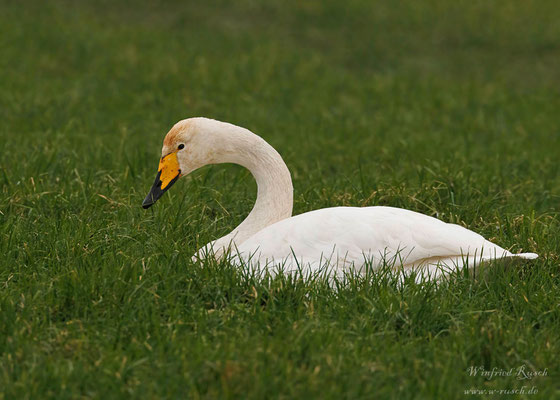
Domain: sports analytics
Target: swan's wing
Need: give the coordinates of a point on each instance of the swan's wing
(375, 234)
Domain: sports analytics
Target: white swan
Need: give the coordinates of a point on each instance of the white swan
(339, 238)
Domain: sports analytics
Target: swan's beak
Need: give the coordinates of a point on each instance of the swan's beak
(168, 173)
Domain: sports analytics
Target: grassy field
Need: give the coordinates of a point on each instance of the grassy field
(446, 108)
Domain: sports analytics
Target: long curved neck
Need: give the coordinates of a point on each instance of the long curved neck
(275, 191)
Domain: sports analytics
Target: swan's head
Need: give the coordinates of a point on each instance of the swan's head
(189, 145)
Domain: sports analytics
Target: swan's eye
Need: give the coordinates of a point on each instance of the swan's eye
(181, 146)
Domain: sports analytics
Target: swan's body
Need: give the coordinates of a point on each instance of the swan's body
(339, 238)
(349, 237)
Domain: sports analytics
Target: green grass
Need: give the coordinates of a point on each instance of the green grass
(446, 108)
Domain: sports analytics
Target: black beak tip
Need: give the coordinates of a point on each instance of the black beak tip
(151, 198)
(156, 191)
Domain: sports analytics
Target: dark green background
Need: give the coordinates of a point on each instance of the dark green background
(447, 108)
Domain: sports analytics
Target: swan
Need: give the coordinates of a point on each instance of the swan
(341, 238)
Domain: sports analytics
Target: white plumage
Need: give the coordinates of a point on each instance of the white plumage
(339, 238)
(345, 237)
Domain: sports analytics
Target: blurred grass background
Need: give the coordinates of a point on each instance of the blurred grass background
(447, 108)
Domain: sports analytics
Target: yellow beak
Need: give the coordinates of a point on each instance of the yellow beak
(168, 173)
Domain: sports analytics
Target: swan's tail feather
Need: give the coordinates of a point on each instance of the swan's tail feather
(527, 256)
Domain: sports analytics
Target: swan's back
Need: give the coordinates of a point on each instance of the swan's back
(345, 236)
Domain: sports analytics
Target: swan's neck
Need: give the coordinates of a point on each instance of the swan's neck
(275, 191)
